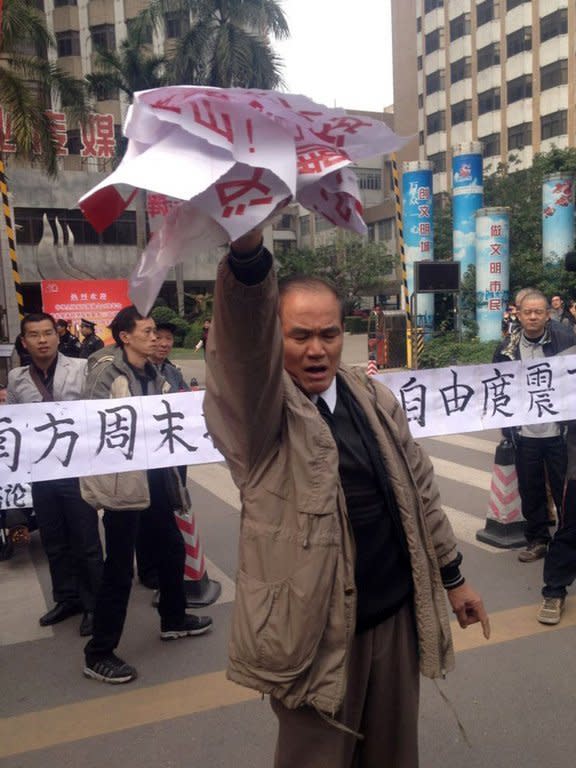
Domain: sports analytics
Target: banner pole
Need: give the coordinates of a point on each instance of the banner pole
(400, 238)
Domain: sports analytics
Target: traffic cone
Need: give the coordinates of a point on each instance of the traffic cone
(372, 368)
(504, 521)
(200, 590)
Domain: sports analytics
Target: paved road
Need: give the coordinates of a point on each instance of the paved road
(514, 695)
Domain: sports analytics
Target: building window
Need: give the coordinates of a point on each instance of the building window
(369, 178)
(554, 74)
(520, 136)
(435, 82)
(420, 101)
(489, 101)
(419, 63)
(304, 225)
(62, 3)
(431, 5)
(513, 3)
(421, 138)
(438, 162)
(177, 23)
(519, 41)
(385, 229)
(68, 43)
(461, 112)
(74, 142)
(103, 37)
(487, 11)
(555, 124)
(435, 122)
(419, 24)
(519, 88)
(491, 144)
(489, 56)
(106, 92)
(461, 69)
(554, 24)
(460, 26)
(434, 40)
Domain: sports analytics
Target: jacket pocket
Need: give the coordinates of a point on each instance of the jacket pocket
(278, 626)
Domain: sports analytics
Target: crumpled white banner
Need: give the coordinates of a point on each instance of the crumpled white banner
(234, 156)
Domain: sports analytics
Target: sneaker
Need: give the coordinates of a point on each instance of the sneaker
(534, 551)
(551, 610)
(110, 669)
(190, 625)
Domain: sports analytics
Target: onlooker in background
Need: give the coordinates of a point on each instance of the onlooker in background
(572, 313)
(90, 342)
(69, 344)
(510, 320)
(160, 357)
(21, 351)
(130, 500)
(3, 394)
(540, 448)
(558, 311)
(204, 337)
(68, 526)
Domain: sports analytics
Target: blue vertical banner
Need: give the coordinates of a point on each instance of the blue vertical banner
(557, 217)
(467, 198)
(417, 212)
(492, 270)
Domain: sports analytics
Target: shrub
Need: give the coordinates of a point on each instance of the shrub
(355, 324)
(448, 350)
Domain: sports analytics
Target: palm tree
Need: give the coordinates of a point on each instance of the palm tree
(29, 82)
(133, 67)
(226, 44)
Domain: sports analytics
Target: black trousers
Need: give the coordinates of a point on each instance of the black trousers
(69, 533)
(560, 562)
(534, 458)
(121, 531)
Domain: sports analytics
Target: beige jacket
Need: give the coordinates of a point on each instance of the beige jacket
(296, 600)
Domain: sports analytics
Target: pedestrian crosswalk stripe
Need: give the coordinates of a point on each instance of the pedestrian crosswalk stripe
(465, 527)
(462, 473)
(467, 441)
(216, 478)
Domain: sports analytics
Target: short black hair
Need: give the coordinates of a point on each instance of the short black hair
(125, 321)
(166, 326)
(35, 317)
(62, 323)
(309, 283)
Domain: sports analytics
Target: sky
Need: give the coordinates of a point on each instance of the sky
(339, 54)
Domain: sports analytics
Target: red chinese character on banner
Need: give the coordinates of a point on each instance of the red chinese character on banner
(6, 140)
(496, 249)
(424, 246)
(58, 124)
(495, 268)
(220, 124)
(496, 230)
(424, 228)
(495, 286)
(423, 193)
(336, 129)
(423, 211)
(97, 136)
(159, 205)
(229, 191)
(314, 158)
(494, 305)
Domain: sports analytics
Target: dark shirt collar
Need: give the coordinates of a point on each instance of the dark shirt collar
(48, 375)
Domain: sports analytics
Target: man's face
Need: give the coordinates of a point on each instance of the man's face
(556, 302)
(313, 337)
(85, 330)
(3, 395)
(533, 315)
(41, 341)
(164, 344)
(140, 342)
(61, 330)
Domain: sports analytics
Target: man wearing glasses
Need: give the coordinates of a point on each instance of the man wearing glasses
(68, 525)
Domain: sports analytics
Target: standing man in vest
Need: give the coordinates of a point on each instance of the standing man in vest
(90, 342)
(345, 553)
(68, 526)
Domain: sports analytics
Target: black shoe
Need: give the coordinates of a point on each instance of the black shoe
(190, 625)
(87, 624)
(110, 669)
(60, 612)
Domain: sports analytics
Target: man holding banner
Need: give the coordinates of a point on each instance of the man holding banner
(68, 526)
(345, 553)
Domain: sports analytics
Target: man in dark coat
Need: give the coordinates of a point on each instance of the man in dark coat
(68, 344)
(90, 342)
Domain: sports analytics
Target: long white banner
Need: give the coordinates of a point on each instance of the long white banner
(45, 441)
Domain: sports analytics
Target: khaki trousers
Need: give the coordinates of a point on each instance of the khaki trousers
(381, 703)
